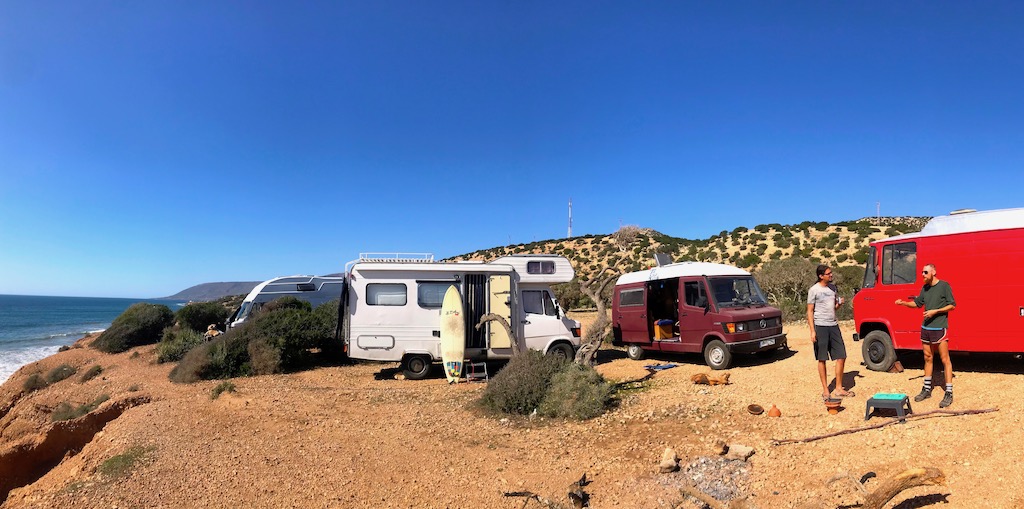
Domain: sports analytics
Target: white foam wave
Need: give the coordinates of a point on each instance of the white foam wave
(14, 359)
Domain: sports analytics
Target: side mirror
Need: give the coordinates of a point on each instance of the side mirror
(855, 290)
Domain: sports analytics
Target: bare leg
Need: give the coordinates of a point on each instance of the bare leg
(943, 348)
(927, 349)
(840, 363)
(824, 380)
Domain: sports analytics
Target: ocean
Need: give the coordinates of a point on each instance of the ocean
(34, 327)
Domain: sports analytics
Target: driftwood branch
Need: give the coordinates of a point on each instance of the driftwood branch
(517, 346)
(932, 413)
(927, 476)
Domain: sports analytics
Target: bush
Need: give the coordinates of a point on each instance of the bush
(577, 392)
(221, 388)
(122, 463)
(140, 324)
(91, 373)
(34, 383)
(276, 339)
(521, 385)
(176, 343)
(65, 412)
(198, 316)
(60, 373)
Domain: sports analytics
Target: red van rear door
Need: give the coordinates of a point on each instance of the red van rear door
(630, 313)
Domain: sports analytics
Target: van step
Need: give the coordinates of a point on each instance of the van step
(475, 371)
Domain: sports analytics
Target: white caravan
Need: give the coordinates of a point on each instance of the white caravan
(314, 289)
(392, 312)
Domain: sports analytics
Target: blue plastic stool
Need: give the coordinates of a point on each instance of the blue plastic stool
(898, 402)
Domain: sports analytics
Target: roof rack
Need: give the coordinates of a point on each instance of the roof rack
(397, 257)
(390, 258)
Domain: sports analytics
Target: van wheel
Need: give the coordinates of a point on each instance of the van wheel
(717, 355)
(562, 351)
(635, 352)
(878, 352)
(416, 367)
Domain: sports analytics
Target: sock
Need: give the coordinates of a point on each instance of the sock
(927, 384)
(949, 388)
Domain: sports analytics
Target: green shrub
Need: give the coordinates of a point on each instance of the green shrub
(577, 392)
(222, 387)
(34, 383)
(140, 324)
(521, 385)
(60, 373)
(176, 343)
(276, 339)
(65, 412)
(122, 463)
(199, 315)
(91, 373)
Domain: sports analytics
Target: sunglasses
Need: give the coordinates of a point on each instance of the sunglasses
(925, 272)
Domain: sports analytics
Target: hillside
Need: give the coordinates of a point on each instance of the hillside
(213, 291)
(632, 248)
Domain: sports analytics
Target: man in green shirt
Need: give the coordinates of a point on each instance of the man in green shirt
(937, 300)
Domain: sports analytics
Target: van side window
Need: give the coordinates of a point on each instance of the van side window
(538, 302)
(631, 297)
(386, 294)
(694, 293)
(540, 267)
(871, 270)
(430, 294)
(899, 263)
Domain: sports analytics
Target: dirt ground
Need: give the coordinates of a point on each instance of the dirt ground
(355, 436)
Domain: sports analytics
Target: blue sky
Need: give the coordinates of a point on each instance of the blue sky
(149, 146)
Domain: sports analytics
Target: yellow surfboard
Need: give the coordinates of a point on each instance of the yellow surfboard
(453, 334)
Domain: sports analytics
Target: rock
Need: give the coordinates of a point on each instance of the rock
(669, 461)
(399, 376)
(720, 447)
(739, 452)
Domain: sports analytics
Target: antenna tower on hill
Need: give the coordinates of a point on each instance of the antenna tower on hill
(570, 219)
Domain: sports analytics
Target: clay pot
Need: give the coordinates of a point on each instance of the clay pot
(774, 412)
(832, 405)
(755, 409)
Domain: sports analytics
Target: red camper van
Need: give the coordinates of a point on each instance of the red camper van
(694, 307)
(981, 254)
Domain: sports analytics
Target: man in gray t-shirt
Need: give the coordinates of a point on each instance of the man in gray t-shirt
(822, 302)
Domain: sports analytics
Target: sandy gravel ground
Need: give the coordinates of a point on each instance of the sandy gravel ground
(354, 436)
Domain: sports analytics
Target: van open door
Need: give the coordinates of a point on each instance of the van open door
(500, 304)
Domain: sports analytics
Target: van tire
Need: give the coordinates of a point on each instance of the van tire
(635, 352)
(717, 355)
(416, 367)
(878, 352)
(562, 351)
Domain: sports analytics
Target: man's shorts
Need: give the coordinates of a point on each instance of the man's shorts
(933, 336)
(829, 343)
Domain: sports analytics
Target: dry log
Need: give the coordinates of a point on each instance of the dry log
(923, 415)
(517, 345)
(927, 476)
(710, 378)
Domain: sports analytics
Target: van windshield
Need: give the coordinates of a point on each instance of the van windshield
(736, 292)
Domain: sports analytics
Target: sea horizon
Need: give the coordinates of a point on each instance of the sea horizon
(33, 327)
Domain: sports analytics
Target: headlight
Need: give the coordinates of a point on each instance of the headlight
(740, 327)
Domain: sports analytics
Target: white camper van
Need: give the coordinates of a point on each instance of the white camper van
(314, 289)
(392, 312)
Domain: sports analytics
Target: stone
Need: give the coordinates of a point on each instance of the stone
(669, 461)
(739, 452)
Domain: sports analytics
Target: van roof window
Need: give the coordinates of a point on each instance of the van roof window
(540, 267)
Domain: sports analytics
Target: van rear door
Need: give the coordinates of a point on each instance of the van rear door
(630, 313)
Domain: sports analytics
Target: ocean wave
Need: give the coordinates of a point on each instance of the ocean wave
(13, 359)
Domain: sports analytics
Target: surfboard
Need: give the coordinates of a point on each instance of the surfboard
(453, 334)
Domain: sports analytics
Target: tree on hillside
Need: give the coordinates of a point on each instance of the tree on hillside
(625, 236)
(594, 288)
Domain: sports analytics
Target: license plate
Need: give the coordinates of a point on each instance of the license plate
(767, 342)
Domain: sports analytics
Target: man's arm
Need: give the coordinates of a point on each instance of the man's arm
(907, 303)
(810, 322)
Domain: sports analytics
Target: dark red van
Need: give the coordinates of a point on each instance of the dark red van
(980, 254)
(696, 307)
